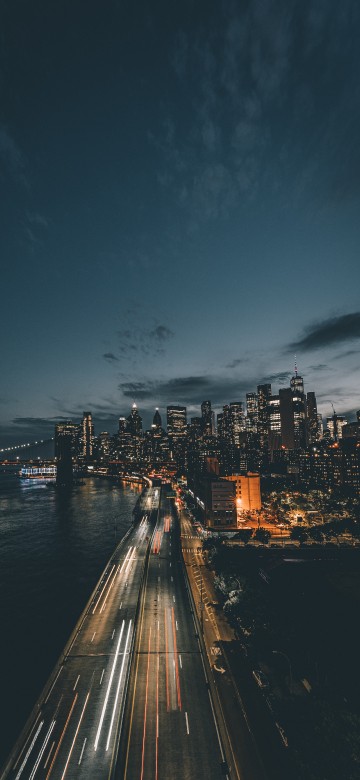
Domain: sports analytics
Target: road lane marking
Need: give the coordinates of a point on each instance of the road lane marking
(216, 726)
(102, 675)
(93, 637)
(82, 751)
(76, 682)
(187, 723)
(53, 685)
(112, 635)
(108, 688)
(75, 736)
(180, 661)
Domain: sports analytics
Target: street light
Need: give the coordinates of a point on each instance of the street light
(280, 652)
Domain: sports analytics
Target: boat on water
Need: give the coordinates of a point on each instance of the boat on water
(43, 473)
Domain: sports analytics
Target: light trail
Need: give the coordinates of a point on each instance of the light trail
(75, 736)
(111, 571)
(108, 689)
(62, 736)
(176, 659)
(42, 751)
(26, 741)
(30, 749)
(118, 687)
(49, 754)
(145, 709)
(53, 685)
(166, 667)
(157, 707)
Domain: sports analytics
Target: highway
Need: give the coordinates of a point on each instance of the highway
(169, 728)
(255, 744)
(73, 731)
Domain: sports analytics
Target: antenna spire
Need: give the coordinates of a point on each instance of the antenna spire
(295, 366)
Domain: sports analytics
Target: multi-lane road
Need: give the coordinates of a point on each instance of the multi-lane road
(74, 729)
(170, 723)
(130, 697)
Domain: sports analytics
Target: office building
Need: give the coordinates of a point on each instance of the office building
(176, 422)
(87, 436)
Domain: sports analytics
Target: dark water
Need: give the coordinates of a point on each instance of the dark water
(53, 548)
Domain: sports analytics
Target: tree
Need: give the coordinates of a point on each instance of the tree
(262, 535)
(244, 535)
(298, 534)
(316, 534)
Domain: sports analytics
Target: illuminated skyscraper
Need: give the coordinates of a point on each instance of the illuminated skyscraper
(252, 413)
(264, 393)
(134, 422)
(207, 418)
(87, 436)
(157, 419)
(237, 422)
(176, 421)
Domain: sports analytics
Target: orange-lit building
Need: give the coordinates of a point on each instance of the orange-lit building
(247, 491)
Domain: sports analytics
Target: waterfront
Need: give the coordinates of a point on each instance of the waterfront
(53, 547)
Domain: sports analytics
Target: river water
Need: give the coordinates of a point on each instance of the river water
(53, 548)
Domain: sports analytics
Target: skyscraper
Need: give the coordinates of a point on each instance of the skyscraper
(157, 419)
(312, 418)
(87, 436)
(176, 421)
(237, 422)
(207, 418)
(134, 422)
(264, 393)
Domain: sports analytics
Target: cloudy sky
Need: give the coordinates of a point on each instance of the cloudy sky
(179, 205)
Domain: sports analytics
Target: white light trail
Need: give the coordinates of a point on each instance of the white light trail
(42, 751)
(111, 571)
(75, 736)
(29, 750)
(108, 688)
(118, 687)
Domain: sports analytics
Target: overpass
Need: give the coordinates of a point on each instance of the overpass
(130, 696)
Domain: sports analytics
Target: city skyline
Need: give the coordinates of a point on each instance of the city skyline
(180, 207)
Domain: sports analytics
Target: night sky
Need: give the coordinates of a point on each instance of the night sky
(180, 191)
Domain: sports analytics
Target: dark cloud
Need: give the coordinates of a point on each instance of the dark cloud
(139, 342)
(188, 390)
(319, 367)
(161, 333)
(34, 422)
(281, 377)
(139, 390)
(332, 331)
(235, 363)
(110, 357)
